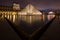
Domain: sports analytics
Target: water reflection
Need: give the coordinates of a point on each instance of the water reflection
(50, 17)
(14, 18)
(28, 18)
(28, 23)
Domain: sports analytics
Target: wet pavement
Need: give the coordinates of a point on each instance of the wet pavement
(33, 26)
(53, 32)
(7, 32)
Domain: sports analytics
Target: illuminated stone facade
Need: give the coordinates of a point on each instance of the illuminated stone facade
(8, 12)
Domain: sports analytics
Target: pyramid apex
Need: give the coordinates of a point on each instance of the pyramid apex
(30, 4)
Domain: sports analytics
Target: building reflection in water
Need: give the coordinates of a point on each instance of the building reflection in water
(30, 17)
(14, 16)
(28, 14)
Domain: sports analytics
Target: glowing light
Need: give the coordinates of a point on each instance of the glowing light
(51, 12)
(30, 19)
(13, 18)
(22, 13)
(8, 16)
(13, 13)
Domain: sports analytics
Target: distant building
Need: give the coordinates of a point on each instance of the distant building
(16, 6)
(8, 12)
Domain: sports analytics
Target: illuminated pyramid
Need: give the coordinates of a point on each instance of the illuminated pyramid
(31, 10)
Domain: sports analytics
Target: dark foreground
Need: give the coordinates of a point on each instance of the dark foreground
(49, 31)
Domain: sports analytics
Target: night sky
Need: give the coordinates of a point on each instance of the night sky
(40, 4)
